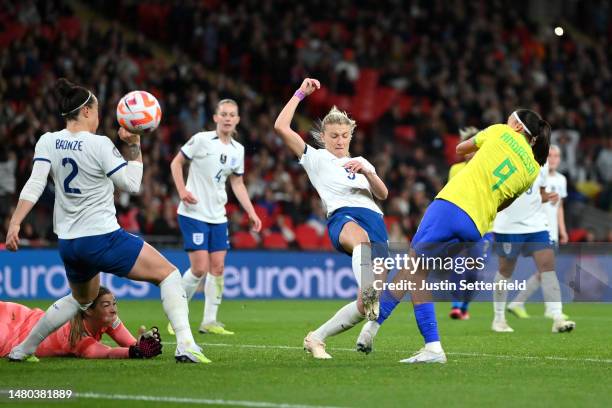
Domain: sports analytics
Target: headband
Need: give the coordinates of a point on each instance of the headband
(89, 97)
(516, 116)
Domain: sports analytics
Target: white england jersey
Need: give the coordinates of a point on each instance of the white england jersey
(212, 161)
(556, 184)
(81, 164)
(526, 214)
(336, 186)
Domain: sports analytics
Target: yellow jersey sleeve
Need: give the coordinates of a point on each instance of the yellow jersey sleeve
(502, 168)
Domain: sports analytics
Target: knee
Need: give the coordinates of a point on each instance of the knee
(162, 273)
(198, 271)
(217, 269)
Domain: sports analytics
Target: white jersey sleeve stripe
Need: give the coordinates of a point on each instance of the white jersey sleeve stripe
(185, 154)
(110, 173)
(41, 159)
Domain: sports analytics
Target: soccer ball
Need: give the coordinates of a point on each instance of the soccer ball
(139, 112)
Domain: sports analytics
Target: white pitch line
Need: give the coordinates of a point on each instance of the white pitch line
(201, 401)
(484, 355)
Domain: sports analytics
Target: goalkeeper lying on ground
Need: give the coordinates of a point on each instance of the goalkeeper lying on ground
(81, 336)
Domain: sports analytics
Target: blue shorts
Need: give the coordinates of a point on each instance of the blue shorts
(115, 252)
(203, 236)
(443, 227)
(371, 221)
(512, 245)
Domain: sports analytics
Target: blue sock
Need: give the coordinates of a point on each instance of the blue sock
(457, 304)
(388, 302)
(425, 316)
(464, 306)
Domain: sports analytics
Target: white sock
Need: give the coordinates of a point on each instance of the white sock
(371, 327)
(55, 317)
(174, 302)
(499, 299)
(345, 318)
(552, 294)
(434, 346)
(190, 283)
(213, 292)
(532, 285)
(362, 265)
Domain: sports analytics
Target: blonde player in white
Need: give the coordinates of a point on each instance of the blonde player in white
(213, 157)
(522, 228)
(347, 186)
(556, 186)
(85, 168)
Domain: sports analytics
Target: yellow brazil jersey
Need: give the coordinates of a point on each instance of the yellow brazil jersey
(456, 168)
(502, 168)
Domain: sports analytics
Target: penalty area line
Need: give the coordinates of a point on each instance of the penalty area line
(200, 401)
(462, 354)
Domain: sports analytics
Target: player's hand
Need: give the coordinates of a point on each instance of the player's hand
(255, 222)
(553, 197)
(127, 137)
(148, 344)
(563, 237)
(12, 237)
(309, 85)
(360, 165)
(187, 197)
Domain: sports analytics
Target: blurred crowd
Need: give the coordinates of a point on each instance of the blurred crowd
(468, 63)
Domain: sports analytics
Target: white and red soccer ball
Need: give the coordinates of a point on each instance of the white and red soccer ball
(139, 112)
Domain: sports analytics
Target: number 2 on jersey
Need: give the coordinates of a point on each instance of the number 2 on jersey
(503, 172)
(71, 176)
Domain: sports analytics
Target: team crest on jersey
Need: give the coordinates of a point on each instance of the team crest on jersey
(198, 238)
(507, 247)
(233, 161)
(223, 158)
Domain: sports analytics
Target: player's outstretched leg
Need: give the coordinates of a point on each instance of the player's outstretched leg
(388, 303)
(347, 317)
(432, 352)
(151, 266)
(56, 316)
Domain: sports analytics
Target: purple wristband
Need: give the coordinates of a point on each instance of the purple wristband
(300, 95)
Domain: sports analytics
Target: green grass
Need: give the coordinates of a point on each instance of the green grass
(531, 367)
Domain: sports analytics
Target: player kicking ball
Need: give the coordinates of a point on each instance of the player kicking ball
(347, 186)
(507, 160)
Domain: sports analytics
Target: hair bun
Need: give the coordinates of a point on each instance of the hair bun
(63, 87)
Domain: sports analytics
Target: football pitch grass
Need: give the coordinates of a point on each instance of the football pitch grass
(263, 364)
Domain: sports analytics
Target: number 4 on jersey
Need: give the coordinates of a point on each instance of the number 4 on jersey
(503, 172)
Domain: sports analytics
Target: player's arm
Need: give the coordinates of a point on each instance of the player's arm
(176, 168)
(467, 147)
(127, 176)
(30, 194)
(563, 238)
(121, 334)
(241, 193)
(282, 126)
(361, 165)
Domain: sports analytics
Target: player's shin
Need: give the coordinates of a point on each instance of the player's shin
(552, 294)
(213, 292)
(345, 318)
(425, 316)
(174, 302)
(500, 295)
(364, 274)
(531, 286)
(190, 283)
